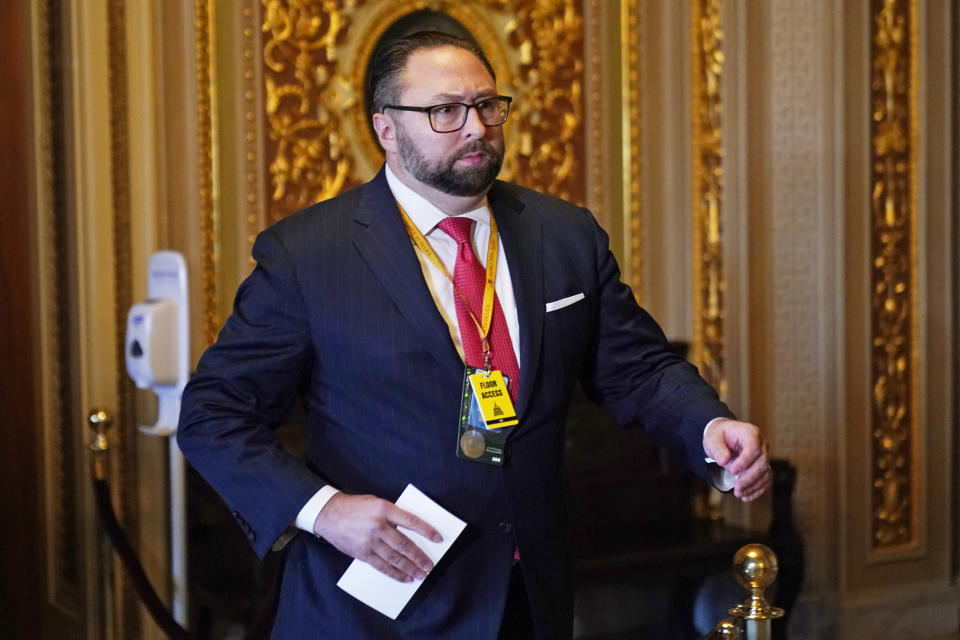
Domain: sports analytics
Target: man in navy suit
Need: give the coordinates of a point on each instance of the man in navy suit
(371, 315)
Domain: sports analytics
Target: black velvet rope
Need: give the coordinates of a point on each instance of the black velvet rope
(141, 584)
(160, 614)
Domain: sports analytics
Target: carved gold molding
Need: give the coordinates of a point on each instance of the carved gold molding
(315, 55)
(251, 139)
(595, 129)
(548, 36)
(630, 132)
(896, 473)
(206, 150)
(708, 281)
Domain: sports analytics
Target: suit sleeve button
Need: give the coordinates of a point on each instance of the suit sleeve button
(505, 526)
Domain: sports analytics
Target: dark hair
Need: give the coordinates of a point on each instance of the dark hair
(389, 62)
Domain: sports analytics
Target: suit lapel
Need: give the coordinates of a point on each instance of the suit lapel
(521, 244)
(380, 237)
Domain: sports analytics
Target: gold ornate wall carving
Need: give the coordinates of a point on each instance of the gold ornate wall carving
(309, 159)
(204, 48)
(251, 139)
(315, 56)
(897, 482)
(594, 92)
(707, 178)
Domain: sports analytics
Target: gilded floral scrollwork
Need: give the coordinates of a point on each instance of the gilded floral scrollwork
(309, 162)
(893, 203)
(551, 109)
(317, 136)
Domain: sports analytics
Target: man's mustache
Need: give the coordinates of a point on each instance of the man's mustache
(473, 147)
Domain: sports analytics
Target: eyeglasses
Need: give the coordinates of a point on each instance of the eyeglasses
(451, 116)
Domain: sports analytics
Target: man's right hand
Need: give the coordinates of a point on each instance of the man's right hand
(365, 528)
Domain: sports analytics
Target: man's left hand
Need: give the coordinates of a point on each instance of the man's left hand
(741, 449)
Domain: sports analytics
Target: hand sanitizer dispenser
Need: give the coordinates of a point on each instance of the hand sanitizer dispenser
(152, 328)
(158, 357)
(158, 338)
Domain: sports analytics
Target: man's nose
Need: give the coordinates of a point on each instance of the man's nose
(474, 127)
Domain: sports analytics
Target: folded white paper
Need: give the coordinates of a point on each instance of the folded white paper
(380, 591)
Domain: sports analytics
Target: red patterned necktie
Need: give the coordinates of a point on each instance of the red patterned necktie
(469, 278)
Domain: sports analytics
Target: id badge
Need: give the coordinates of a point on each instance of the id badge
(486, 413)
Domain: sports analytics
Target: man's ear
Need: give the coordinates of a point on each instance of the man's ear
(386, 131)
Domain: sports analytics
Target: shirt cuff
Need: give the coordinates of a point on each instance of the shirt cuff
(308, 514)
(709, 424)
(722, 479)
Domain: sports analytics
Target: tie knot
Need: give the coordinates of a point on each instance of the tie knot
(457, 228)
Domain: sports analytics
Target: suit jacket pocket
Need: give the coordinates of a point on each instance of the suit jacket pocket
(564, 302)
(567, 327)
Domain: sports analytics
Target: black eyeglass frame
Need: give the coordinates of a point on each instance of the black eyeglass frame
(466, 111)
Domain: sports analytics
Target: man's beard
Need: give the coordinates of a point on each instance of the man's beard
(443, 175)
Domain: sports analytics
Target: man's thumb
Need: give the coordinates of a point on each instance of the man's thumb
(717, 447)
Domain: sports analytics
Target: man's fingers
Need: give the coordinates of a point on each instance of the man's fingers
(757, 468)
(408, 556)
(754, 481)
(747, 459)
(402, 518)
(400, 563)
(394, 553)
(383, 566)
(754, 467)
(751, 447)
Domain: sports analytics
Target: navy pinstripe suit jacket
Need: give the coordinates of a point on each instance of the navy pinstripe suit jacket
(337, 310)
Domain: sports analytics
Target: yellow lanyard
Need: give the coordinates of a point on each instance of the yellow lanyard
(483, 325)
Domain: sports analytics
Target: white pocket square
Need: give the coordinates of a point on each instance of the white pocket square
(564, 302)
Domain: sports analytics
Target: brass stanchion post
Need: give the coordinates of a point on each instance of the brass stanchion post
(755, 568)
(100, 421)
(725, 630)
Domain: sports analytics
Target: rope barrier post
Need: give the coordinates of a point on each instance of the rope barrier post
(113, 540)
(100, 422)
(725, 630)
(755, 568)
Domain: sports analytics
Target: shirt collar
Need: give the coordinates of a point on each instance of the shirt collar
(423, 213)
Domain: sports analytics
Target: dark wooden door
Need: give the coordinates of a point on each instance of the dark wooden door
(20, 556)
(31, 604)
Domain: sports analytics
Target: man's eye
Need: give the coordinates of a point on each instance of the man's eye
(445, 109)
